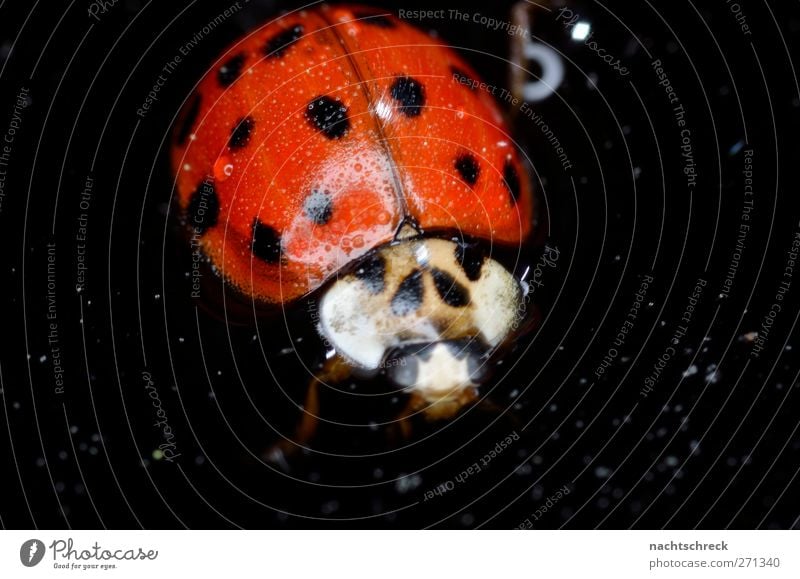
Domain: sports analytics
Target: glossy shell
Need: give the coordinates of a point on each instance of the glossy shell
(313, 138)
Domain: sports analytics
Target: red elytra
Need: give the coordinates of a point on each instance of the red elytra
(318, 134)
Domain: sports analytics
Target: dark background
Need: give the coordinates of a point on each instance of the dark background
(715, 444)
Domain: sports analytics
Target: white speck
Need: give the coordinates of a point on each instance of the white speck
(736, 147)
(330, 507)
(581, 30)
(601, 472)
(408, 483)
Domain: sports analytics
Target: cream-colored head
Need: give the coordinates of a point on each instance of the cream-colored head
(428, 313)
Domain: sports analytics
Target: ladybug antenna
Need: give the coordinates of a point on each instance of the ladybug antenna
(407, 229)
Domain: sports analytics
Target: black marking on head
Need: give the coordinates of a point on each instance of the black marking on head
(277, 46)
(511, 180)
(471, 259)
(230, 71)
(203, 208)
(379, 20)
(187, 122)
(240, 135)
(409, 94)
(460, 349)
(413, 352)
(318, 207)
(452, 293)
(266, 242)
(372, 271)
(424, 353)
(467, 166)
(462, 77)
(408, 297)
(329, 116)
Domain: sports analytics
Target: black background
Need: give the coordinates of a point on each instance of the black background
(714, 445)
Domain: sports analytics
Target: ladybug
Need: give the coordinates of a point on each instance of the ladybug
(342, 152)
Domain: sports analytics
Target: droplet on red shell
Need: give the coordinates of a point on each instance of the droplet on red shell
(223, 168)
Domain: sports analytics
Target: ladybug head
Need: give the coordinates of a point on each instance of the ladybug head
(427, 311)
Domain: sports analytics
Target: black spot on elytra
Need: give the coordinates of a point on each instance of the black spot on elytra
(231, 70)
(452, 293)
(471, 259)
(329, 116)
(277, 46)
(467, 166)
(266, 242)
(461, 77)
(318, 207)
(511, 180)
(408, 297)
(409, 94)
(203, 208)
(379, 20)
(372, 271)
(240, 135)
(187, 122)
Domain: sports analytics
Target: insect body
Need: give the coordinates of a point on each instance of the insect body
(344, 151)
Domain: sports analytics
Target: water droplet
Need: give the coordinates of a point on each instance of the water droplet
(223, 168)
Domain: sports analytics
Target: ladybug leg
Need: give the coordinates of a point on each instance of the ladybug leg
(402, 427)
(335, 370)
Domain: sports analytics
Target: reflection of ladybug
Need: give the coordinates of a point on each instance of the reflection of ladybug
(342, 143)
